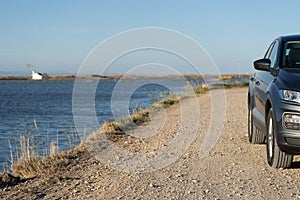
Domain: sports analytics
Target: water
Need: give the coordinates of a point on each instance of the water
(49, 104)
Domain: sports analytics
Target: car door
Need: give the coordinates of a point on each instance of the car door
(263, 80)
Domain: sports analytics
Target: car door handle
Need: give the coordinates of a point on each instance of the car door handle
(257, 83)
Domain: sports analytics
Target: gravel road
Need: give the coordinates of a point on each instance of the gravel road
(233, 169)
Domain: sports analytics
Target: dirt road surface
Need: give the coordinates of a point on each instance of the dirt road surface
(233, 169)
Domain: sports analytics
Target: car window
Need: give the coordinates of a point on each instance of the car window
(273, 54)
(291, 54)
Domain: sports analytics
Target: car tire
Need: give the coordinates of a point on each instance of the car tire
(254, 135)
(276, 158)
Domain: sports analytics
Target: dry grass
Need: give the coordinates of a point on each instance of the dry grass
(201, 89)
(38, 165)
(166, 103)
(117, 127)
(27, 168)
(54, 149)
(30, 154)
(111, 127)
(139, 117)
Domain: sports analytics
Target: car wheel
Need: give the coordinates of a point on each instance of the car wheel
(276, 157)
(254, 136)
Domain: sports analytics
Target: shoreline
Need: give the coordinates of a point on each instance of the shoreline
(71, 77)
(111, 129)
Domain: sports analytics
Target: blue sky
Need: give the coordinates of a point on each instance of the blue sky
(57, 35)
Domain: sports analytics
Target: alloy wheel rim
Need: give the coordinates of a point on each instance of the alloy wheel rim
(270, 137)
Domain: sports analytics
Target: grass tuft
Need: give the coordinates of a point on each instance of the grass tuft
(31, 153)
(200, 89)
(38, 165)
(170, 101)
(140, 117)
(111, 127)
(166, 103)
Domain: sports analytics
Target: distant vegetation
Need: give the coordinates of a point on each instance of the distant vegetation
(118, 76)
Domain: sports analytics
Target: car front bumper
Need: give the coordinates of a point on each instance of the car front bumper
(288, 139)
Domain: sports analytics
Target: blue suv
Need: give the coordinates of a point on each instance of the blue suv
(274, 101)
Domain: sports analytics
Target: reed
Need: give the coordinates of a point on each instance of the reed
(31, 153)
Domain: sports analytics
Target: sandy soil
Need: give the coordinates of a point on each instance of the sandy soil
(233, 169)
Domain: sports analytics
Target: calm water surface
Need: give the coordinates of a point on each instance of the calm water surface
(49, 104)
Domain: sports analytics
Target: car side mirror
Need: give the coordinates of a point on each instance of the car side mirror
(262, 64)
